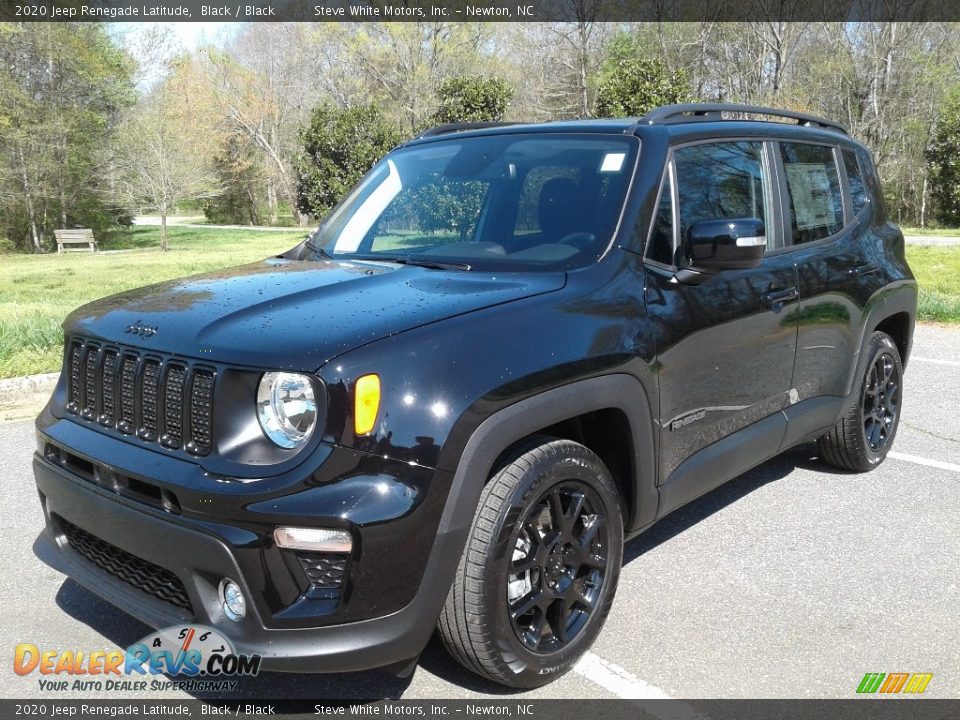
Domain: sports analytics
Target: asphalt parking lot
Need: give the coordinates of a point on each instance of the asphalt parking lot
(793, 580)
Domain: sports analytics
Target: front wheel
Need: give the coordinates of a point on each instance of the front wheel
(540, 569)
(863, 437)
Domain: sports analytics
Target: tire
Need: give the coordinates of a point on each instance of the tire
(546, 544)
(865, 434)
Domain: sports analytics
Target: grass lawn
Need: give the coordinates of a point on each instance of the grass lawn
(38, 291)
(934, 232)
(938, 272)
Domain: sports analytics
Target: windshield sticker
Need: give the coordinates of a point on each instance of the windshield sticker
(612, 162)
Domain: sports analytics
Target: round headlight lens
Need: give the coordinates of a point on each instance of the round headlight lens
(286, 408)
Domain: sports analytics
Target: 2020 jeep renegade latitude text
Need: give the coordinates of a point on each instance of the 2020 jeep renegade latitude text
(508, 349)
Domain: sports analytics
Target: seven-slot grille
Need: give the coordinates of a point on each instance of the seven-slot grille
(157, 399)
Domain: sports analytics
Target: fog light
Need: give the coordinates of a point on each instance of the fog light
(313, 539)
(231, 600)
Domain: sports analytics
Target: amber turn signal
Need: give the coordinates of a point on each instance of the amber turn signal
(366, 404)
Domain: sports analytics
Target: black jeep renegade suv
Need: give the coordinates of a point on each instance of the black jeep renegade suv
(508, 349)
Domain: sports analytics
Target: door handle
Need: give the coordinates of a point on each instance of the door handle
(776, 298)
(864, 269)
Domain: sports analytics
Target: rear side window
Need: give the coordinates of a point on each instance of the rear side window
(872, 183)
(816, 204)
(858, 191)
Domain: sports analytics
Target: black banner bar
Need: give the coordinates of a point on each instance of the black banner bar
(477, 10)
(519, 708)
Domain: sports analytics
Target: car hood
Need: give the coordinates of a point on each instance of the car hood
(293, 314)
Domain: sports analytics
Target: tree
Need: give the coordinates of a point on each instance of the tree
(263, 86)
(164, 158)
(401, 63)
(943, 159)
(554, 64)
(242, 177)
(339, 146)
(631, 87)
(62, 85)
(472, 98)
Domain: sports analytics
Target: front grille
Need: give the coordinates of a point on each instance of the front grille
(90, 359)
(152, 397)
(108, 391)
(173, 406)
(151, 579)
(76, 383)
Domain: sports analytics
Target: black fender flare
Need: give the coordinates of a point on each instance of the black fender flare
(901, 298)
(507, 426)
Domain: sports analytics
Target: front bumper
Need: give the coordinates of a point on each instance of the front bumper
(365, 627)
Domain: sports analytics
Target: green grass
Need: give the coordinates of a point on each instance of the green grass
(934, 232)
(938, 272)
(38, 291)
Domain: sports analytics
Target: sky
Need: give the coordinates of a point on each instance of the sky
(189, 34)
(187, 37)
(192, 33)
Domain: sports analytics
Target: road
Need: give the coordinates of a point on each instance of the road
(197, 221)
(794, 580)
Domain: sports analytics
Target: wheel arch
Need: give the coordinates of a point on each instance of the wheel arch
(898, 326)
(893, 310)
(582, 410)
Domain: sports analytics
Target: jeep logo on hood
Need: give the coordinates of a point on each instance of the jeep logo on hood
(138, 328)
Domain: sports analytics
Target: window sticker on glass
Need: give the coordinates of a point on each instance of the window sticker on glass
(612, 162)
(812, 201)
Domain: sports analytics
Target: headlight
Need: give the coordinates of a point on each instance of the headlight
(286, 408)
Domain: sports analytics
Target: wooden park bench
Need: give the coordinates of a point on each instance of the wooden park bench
(76, 237)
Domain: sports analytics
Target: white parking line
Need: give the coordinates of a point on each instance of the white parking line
(924, 461)
(950, 363)
(624, 684)
(616, 679)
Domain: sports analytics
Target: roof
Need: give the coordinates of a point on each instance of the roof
(678, 120)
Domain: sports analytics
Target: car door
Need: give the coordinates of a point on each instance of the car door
(725, 341)
(830, 239)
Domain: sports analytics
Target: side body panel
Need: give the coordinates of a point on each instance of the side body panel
(445, 381)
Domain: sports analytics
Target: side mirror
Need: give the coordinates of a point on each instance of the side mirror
(726, 244)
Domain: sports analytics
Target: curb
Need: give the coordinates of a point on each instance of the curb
(14, 391)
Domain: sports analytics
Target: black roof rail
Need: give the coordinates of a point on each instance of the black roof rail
(459, 127)
(694, 112)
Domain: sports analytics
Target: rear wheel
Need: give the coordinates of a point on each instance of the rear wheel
(540, 569)
(863, 437)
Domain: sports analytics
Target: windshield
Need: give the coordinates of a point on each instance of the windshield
(498, 202)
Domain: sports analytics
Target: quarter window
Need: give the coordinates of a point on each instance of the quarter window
(816, 205)
(858, 191)
(661, 239)
(721, 180)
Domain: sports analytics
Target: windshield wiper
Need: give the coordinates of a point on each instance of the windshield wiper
(318, 250)
(434, 264)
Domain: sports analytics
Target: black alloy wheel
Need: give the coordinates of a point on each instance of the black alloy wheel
(881, 401)
(540, 568)
(865, 432)
(558, 566)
